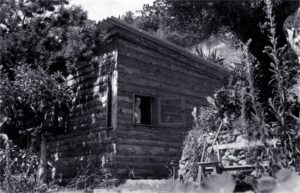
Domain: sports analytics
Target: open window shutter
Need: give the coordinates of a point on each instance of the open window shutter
(171, 111)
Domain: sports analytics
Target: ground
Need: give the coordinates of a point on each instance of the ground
(135, 186)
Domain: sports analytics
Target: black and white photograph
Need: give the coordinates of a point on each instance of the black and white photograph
(149, 96)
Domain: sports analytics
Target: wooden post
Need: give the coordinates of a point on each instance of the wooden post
(215, 169)
(173, 165)
(200, 169)
(174, 174)
(41, 177)
(200, 174)
(217, 135)
(218, 153)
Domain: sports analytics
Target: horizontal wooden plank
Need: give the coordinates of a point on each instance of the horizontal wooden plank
(147, 88)
(79, 141)
(147, 142)
(147, 150)
(86, 89)
(240, 145)
(164, 131)
(94, 104)
(139, 66)
(75, 80)
(182, 89)
(159, 51)
(96, 90)
(96, 149)
(190, 101)
(89, 69)
(85, 111)
(209, 168)
(241, 167)
(101, 132)
(99, 118)
(142, 158)
(97, 126)
(137, 164)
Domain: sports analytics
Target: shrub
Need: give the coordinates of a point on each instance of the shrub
(19, 173)
(92, 176)
(274, 123)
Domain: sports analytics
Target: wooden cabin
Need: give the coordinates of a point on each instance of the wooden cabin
(133, 105)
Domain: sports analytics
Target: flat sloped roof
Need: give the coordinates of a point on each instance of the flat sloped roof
(111, 22)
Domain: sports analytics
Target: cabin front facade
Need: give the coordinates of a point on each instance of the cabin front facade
(133, 106)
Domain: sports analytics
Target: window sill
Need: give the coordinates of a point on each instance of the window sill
(143, 125)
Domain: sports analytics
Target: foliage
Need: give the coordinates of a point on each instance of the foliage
(205, 121)
(19, 173)
(41, 42)
(31, 96)
(45, 34)
(4, 153)
(128, 17)
(285, 153)
(202, 18)
(213, 55)
(187, 23)
(92, 176)
(239, 106)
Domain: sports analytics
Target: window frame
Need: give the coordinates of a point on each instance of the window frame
(153, 110)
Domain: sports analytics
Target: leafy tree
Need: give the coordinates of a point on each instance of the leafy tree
(188, 22)
(275, 124)
(128, 17)
(41, 42)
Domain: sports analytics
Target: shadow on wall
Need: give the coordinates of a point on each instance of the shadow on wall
(88, 144)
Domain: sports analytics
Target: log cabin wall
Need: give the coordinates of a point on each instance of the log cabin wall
(102, 128)
(88, 143)
(151, 68)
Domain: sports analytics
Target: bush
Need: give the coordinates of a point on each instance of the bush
(275, 122)
(92, 176)
(205, 121)
(20, 175)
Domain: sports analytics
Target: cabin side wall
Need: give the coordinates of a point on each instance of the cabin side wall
(148, 69)
(88, 140)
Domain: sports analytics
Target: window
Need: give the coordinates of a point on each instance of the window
(171, 111)
(143, 110)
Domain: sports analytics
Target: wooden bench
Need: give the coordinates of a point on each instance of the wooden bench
(215, 165)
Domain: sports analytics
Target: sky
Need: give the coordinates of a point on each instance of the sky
(101, 9)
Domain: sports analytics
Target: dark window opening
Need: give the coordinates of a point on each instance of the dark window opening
(143, 110)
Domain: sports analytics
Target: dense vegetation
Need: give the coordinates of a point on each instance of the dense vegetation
(43, 40)
(239, 107)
